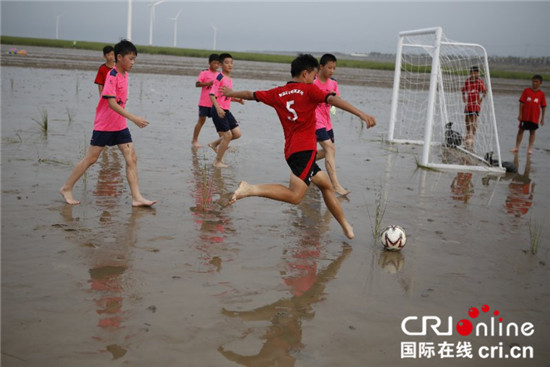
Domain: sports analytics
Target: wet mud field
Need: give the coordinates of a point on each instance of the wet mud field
(195, 282)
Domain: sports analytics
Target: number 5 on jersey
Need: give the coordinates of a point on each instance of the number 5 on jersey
(292, 111)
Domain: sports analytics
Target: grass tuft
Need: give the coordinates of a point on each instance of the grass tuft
(380, 209)
(43, 121)
(535, 233)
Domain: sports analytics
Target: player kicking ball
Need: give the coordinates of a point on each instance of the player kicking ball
(295, 104)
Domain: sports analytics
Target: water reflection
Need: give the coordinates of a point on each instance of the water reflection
(521, 190)
(210, 213)
(110, 183)
(108, 250)
(282, 338)
(462, 187)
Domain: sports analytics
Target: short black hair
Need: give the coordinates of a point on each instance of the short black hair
(213, 57)
(225, 56)
(474, 68)
(327, 58)
(538, 77)
(107, 49)
(303, 62)
(124, 48)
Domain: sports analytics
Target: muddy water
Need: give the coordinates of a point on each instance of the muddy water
(193, 282)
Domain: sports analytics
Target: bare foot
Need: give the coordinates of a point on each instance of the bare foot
(214, 147)
(68, 196)
(529, 151)
(242, 191)
(348, 230)
(342, 191)
(143, 202)
(220, 164)
(515, 150)
(196, 144)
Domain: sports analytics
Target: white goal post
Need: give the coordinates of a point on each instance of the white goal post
(428, 91)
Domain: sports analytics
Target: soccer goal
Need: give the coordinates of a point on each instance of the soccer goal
(428, 106)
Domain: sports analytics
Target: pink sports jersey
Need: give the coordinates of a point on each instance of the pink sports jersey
(295, 104)
(219, 82)
(322, 113)
(206, 76)
(116, 86)
(532, 101)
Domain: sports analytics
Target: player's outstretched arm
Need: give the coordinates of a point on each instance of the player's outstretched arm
(244, 94)
(346, 106)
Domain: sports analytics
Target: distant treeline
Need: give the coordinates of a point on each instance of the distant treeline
(374, 60)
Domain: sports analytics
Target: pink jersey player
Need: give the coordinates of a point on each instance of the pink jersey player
(116, 86)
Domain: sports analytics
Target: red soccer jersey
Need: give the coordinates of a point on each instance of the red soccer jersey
(532, 101)
(102, 74)
(473, 88)
(295, 104)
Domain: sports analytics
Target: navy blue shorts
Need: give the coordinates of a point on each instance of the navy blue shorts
(322, 134)
(110, 138)
(303, 165)
(227, 123)
(205, 111)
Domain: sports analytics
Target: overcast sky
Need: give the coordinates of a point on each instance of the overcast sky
(505, 28)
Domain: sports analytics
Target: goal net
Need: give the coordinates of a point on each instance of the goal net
(431, 96)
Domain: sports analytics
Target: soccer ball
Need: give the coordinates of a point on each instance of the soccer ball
(393, 238)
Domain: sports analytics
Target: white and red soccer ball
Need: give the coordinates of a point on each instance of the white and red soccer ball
(393, 238)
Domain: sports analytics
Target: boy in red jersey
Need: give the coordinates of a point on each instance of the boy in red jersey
(205, 81)
(532, 106)
(109, 55)
(295, 104)
(110, 127)
(473, 93)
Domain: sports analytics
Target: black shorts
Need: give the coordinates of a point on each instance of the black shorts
(227, 123)
(471, 113)
(322, 134)
(110, 138)
(303, 165)
(205, 111)
(528, 125)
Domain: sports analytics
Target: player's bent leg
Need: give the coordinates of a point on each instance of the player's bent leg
(320, 155)
(235, 133)
(292, 194)
(225, 139)
(196, 132)
(322, 181)
(130, 157)
(330, 165)
(90, 158)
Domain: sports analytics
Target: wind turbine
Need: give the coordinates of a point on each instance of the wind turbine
(215, 30)
(57, 26)
(175, 19)
(129, 22)
(153, 5)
